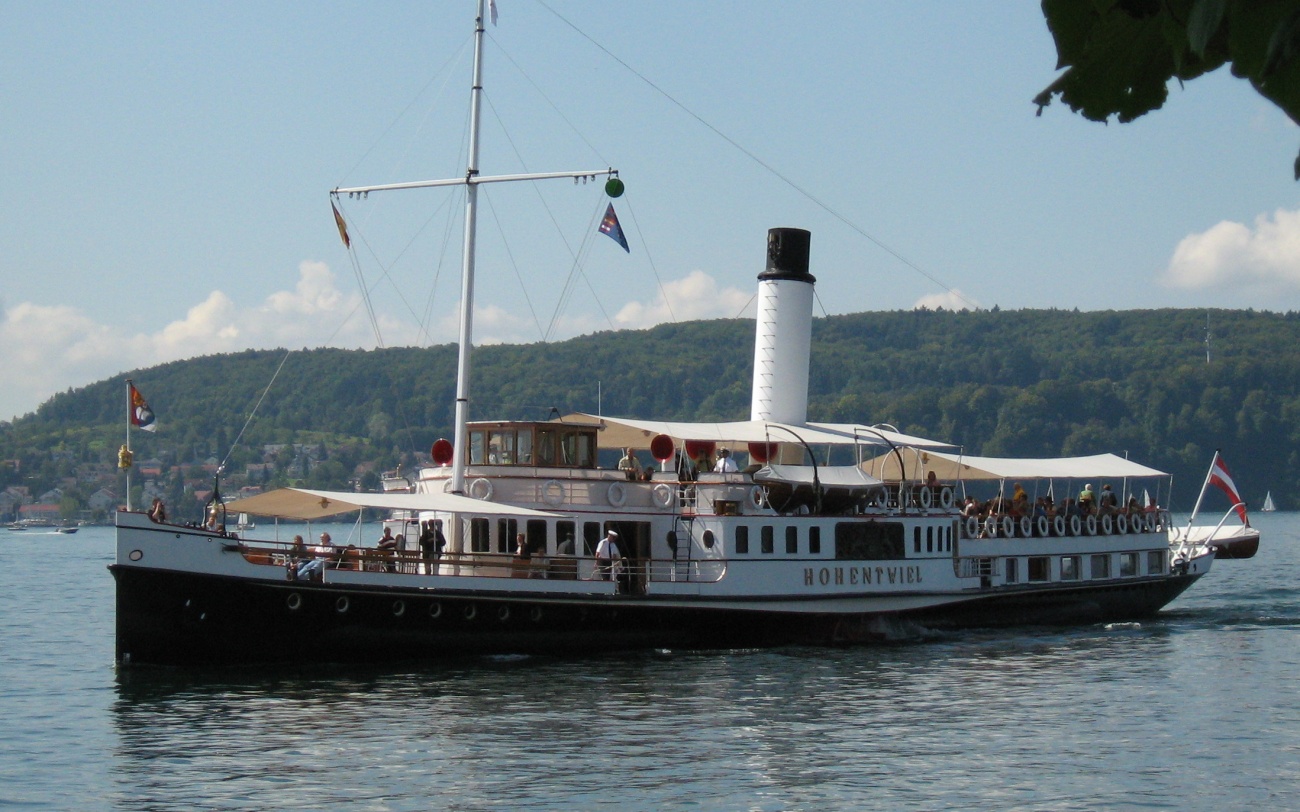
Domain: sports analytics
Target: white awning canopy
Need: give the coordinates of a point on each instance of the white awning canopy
(621, 432)
(305, 505)
(829, 476)
(949, 467)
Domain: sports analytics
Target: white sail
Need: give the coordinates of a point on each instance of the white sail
(1268, 507)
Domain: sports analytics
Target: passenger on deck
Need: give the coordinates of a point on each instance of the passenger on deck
(648, 474)
(725, 464)
(431, 543)
(629, 465)
(522, 553)
(1086, 499)
(312, 569)
(1109, 501)
(158, 511)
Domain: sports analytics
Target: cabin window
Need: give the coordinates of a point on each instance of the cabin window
(869, 541)
(707, 539)
(742, 539)
(1040, 568)
(591, 536)
(916, 539)
(1128, 565)
(1155, 562)
(1012, 570)
(536, 536)
(506, 530)
(1100, 566)
(564, 536)
(814, 540)
(929, 539)
(501, 447)
(1070, 565)
(478, 535)
(524, 447)
(792, 540)
(766, 543)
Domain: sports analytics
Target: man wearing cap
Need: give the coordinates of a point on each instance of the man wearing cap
(726, 465)
(606, 554)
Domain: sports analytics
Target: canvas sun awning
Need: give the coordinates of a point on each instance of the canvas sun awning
(620, 432)
(828, 476)
(304, 505)
(948, 467)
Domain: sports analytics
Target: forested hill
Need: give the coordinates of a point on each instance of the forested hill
(1027, 383)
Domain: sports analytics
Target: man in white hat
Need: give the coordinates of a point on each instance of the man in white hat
(606, 554)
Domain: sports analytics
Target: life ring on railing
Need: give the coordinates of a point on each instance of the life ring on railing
(991, 527)
(927, 498)
(1135, 524)
(972, 527)
(1090, 525)
(879, 500)
(617, 494)
(663, 495)
(1151, 522)
(1107, 525)
(1026, 527)
(1121, 524)
(1008, 527)
(757, 497)
(945, 497)
(481, 489)
(1043, 526)
(1058, 525)
(553, 492)
(1076, 525)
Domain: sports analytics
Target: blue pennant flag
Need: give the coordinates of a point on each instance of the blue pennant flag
(611, 227)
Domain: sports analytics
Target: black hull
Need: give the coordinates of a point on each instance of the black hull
(175, 618)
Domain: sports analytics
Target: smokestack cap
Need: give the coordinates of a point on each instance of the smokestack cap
(787, 255)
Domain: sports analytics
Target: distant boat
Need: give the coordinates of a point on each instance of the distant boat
(1268, 507)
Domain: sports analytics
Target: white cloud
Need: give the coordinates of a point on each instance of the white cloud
(1265, 255)
(953, 299)
(695, 297)
(47, 349)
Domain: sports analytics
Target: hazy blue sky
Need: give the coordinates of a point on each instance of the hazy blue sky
(166, 170)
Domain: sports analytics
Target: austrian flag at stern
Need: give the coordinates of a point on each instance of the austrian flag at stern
(1220, 478)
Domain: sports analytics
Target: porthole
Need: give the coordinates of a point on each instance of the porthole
(471, 612)
(136, 555)
(294, 601)
(708, 539)
(503, 614)
(435, 610)
(535, 613)
(399, 608)
(341, 605)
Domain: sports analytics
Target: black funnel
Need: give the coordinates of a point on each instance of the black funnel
(787, 255)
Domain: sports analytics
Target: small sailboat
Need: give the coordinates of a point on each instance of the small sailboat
(1268, 507)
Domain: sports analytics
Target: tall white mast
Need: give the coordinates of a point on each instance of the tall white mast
(471, 181)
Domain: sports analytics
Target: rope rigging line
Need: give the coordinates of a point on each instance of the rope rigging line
(826, 207)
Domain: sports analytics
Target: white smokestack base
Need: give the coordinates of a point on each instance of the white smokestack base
(783, 334)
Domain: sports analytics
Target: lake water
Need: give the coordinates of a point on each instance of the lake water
(1196, 709)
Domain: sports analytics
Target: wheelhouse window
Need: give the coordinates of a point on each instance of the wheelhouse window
(869, 541)
(544, 444)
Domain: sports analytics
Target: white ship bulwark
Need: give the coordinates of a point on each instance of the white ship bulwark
(763, 532)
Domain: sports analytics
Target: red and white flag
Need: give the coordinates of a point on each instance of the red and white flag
(1221, 479)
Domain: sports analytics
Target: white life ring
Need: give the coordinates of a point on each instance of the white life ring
(481, 489)
(1008, 527)
(617, 494)
(927, 498)
(945, 497)
(1042, 526)
(1151, 522)
(1135, 524)
(972, 527)
(553, 492)
(1090, 526)
(991, 527)
(1076, 525)
(1107, 525)
(663, 495)
(1058, 525)
(1026, 527)
(757, 497)
(1121, 524)
(879, 500)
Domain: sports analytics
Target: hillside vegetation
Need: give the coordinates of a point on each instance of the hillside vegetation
(1010, 383)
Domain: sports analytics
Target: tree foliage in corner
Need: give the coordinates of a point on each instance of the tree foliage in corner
(1119, 55)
